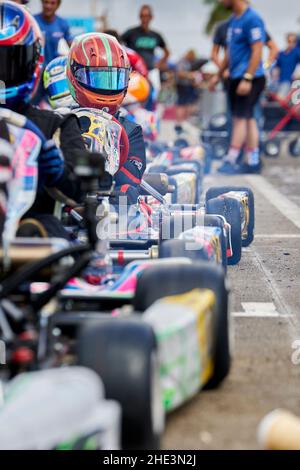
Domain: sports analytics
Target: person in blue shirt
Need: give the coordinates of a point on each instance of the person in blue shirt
(54, 29)
(245, 40)
(288, 59)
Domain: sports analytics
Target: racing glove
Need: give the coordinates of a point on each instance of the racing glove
(51, 164)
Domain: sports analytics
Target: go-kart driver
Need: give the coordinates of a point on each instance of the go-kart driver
(21, 58)
(56, 85)
(6, 153)
(98, 73)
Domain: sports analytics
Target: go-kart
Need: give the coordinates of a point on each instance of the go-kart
(36, 411)
(61, 409)
(220, 237)
(184, 164)
(132, 352)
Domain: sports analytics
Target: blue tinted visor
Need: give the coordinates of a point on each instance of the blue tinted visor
(111, 79)
(59, 88)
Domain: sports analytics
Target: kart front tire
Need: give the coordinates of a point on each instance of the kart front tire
(215, 192)
(169, 279)
(124, 354)
(230, 209)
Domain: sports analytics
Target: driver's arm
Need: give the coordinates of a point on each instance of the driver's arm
(132, 171)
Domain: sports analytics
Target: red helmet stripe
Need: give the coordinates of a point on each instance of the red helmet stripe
(97, 50)
(88, 62)
(106, 44)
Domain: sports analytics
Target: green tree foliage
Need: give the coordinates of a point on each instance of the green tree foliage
(218, 13)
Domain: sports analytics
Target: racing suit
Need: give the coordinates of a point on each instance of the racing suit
(128, 178)
(68, 133)
(70, 139)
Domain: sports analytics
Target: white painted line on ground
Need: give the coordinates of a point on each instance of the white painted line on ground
(271, 284)
(267, 307)
(288, 208)
(277, 235)
(259, 310)
(258, 315)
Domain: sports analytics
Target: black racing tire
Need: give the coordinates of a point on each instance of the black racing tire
(215, 221)
(294, 148)
(124, 354)
(219, 147)
(168, 279)
(177, 249)
(230, 209)
(217, 191)
(43, 226)
(181, 143)
(31, 228)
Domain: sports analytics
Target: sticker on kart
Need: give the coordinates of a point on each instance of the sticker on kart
(23, 186)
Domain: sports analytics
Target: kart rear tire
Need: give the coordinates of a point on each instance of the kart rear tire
(43, 226)
(31, 228)
(177, 249)
(170, 279)
(215, 192)
(230, 209)
(124, 354)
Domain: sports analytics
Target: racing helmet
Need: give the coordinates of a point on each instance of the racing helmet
(138, 89)
(98, 72)
(56, 84)
(21, 54)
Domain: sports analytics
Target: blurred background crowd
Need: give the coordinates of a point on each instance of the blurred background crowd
(186, 53)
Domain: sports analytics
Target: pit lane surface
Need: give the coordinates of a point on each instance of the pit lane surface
(265, 306)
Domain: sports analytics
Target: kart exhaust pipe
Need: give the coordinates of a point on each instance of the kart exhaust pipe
(122, 257)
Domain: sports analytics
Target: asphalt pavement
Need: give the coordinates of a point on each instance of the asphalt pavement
(265, 321)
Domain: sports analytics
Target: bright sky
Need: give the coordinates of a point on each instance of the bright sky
(182, 22)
